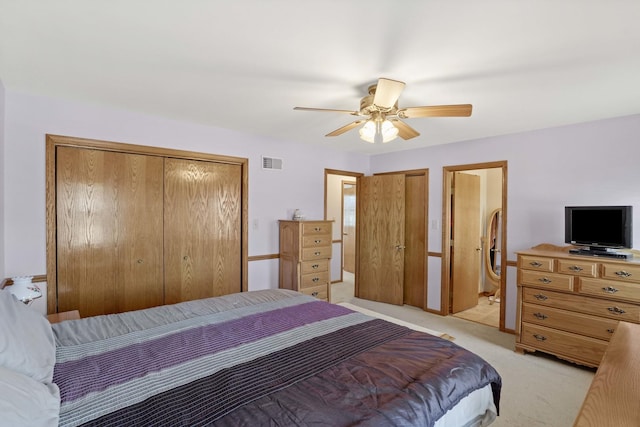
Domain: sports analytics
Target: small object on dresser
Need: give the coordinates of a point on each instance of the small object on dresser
(297, 215)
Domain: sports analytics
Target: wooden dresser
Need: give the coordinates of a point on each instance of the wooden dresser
(570, 305)
(612, 399)
(305, 255)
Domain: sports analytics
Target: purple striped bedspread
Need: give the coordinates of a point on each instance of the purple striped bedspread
(258, 358)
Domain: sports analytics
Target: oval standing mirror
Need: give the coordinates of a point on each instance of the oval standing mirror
(492, 251)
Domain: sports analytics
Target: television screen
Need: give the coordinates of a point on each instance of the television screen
(599, 226)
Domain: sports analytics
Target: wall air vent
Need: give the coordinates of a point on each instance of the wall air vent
(271, 163)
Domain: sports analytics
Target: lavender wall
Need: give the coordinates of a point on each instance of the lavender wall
(594, 163)
(272, 194)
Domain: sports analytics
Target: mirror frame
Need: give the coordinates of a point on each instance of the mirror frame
(491, 275)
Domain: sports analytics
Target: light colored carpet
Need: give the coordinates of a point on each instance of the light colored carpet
(537, 390)
(396, 321)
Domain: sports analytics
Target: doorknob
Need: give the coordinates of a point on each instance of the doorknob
(478, 249)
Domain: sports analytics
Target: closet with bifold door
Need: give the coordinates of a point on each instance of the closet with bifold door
(131, 227)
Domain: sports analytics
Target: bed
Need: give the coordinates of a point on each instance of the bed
(273, 357)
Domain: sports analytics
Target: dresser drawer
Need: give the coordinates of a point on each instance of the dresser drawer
(578, 268)
(562, 343)
(314, 279)
(536, 263)
(307, 267)
(319, 292)
(583, 304)
(546, 280)
(314, 241)
(628, 273)
(316, 228)
(610, 289)
(583, 324)
(316, 253)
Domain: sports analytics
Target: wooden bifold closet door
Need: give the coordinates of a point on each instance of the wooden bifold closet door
(109, 214)
(139, 230)
(202, 229)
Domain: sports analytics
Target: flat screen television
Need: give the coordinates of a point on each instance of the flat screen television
(598, 227)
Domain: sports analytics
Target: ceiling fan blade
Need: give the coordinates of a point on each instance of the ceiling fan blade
(461, 110)
(345, 128)
(387, 93)
(404, 130)
(328, 110)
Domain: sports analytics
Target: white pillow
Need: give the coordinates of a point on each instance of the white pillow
(26, 402)
(27, 345)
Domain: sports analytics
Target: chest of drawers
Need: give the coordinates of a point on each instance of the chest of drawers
(570, 305)
(305, 255)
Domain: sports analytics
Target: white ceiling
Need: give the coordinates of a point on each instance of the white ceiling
(244, 64)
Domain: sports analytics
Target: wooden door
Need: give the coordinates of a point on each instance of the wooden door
(415, 256)
(466, 256)
(108, 231)
(202, 214)
(349, 226)
(380, 236)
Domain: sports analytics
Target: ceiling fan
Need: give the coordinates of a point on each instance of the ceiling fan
(382, 117)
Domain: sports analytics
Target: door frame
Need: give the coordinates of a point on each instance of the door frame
(355, 176)
(447, 177)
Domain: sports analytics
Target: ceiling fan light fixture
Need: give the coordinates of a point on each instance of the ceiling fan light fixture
(375, 131)
(382, 102)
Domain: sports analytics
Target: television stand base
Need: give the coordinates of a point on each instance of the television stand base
(601, 253)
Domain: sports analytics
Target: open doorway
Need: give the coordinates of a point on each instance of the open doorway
(340, 206)
(348, 227)
(474, 242)
(383, 272)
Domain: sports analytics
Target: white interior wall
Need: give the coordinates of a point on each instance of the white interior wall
(592, 163)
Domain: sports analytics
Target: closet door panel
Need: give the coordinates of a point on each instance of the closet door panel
(109, 231)
(202, 217)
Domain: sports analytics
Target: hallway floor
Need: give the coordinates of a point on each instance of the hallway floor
(485, 313)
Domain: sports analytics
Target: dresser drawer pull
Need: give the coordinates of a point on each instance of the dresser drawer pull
(541, 297)
(315, 266)
(616, 310)
(540, 337)
(609, 290)
(623, 273)
(314, 294)
(575, 268)
(315, 279)
(611, 330)
(317, 253)
(540, 316)
(544, 280)
(317, 242)
(317, 229)
(535, 264)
